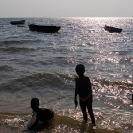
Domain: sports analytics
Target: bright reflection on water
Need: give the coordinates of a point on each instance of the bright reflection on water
(43, 65)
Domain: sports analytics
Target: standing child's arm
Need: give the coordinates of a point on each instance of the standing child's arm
(75, 97)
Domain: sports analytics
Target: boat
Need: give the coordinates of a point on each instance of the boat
(112, 29)
(44, 28)
(17, 22)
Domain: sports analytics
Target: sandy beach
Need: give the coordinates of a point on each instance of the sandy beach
(57, 125)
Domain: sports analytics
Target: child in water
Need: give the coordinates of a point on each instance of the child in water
(38, 114)
(84, 90)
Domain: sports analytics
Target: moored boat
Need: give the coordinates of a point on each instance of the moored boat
(17, 22)
(112, 29)
(44, 28)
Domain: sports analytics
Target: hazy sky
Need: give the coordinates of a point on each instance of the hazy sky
(66, 8)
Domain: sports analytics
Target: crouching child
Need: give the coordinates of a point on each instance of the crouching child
(39, 115)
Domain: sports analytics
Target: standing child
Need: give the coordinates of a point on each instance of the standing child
(84, 90)
(38, 114)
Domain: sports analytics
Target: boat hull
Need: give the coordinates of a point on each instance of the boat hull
(43, 28)
(112, 29)
(17, 22)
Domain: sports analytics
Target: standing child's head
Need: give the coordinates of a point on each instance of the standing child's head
(34, 103)
(80, 69)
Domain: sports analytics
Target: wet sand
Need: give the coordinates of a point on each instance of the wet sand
(60, 124)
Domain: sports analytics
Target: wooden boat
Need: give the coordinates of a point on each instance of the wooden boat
(17, 22)
(112, 29)
(44, 28)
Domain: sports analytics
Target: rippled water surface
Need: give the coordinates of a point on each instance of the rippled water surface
(35, 64)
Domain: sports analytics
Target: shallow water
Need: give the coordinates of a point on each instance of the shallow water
(34, 64)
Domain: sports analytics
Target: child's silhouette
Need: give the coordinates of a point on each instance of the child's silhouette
(38, 114)
(84, 90)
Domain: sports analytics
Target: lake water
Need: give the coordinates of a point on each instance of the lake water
(35, 64)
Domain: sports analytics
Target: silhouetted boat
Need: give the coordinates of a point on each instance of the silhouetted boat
(44, 28)
(112, 29)
(17, 22)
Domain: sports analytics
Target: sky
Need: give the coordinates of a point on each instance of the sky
(65, 8)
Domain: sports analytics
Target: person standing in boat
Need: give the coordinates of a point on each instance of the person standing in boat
(84, 90)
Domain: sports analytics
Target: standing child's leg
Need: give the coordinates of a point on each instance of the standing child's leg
(83, 108)
(90, 111)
